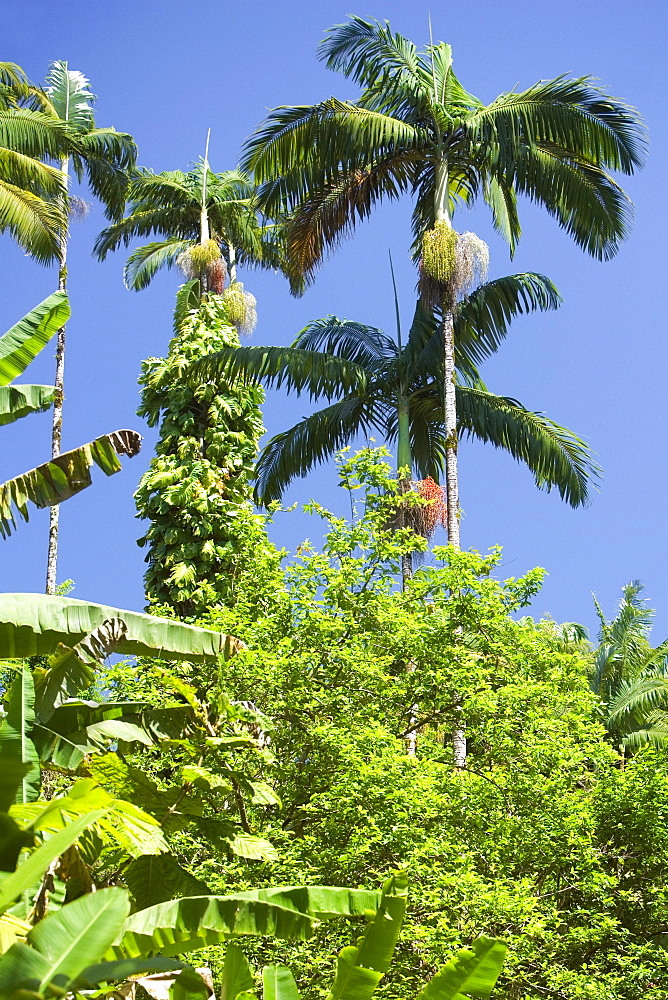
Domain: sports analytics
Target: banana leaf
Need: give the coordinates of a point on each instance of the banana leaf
(25, 339)
(64, 476)
(34, 625)
(18, 401)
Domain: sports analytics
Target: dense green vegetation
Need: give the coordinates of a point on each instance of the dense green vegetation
(345, 732)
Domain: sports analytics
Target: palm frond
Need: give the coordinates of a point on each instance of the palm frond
(483, 319)
(69, 96)
(346, 339)
(312, 441)
(556, 457)
(637, 698)
(569, 113)
(321, 375)
(34, 223)
(144, 263)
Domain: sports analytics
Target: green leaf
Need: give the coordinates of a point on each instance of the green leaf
(18, 401)
(156, 878)
(79, 933)
(279, 983)
(16, 746)
(184, 925)
(188, 984)
(321, 901)
(21, 968)
(114, 972)
(245, 845)
(470, 974)
(236, 976)
(28, 873)
(63, 477)
(34, 624)
(360, 968)
(23, 342)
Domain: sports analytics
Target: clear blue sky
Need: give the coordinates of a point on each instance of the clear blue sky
(165, 72)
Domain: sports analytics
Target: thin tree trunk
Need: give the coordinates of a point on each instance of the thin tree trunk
(450, 421)
(233, 262)
(57, 425)
(449, 393)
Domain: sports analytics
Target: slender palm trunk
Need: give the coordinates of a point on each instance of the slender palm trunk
(450, 415)
(57, 426)
(233, 262)
(404, 462)
(450, 420)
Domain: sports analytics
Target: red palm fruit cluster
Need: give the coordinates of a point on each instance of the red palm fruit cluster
(435, 514)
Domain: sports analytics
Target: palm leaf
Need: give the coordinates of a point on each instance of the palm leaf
(143, 264)
(298, 370)
(470, 975)
(312, 441)
(557, 457)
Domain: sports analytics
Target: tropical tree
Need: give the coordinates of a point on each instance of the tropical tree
(203, 539)
(630, 676)
(31, 189)
(373, 382)
(102, 156)
(416, 129)
(210, 223)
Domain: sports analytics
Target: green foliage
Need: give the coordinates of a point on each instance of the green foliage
(518, 844)
(367, 377)
(204, 538)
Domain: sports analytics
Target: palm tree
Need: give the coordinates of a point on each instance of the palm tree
(629, 676)
(189, 209)
(103, 156)
(416, 129)
(373, 382)
(30, 189)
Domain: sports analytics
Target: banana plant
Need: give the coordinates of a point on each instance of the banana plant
(471, 973)
(21, 345)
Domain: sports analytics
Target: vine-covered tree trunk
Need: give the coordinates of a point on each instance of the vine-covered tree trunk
(204, 536)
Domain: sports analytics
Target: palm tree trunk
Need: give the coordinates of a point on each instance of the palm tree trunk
(404, 462)
(233, 262)
(57, 425)
(449, 390)
(450, 421)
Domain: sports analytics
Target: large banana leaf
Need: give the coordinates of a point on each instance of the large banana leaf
(28, 873)
(34, 625)
(64, 476)
(16, 747)
(18, 401)
(472, 973)
(25, 340)
(184, 925)
(290, 912)
(78, 934)
(359, 968)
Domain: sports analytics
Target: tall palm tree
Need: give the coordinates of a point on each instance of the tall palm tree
(629, 676)
(187, 209)
(102, 156)
(30, 189)
(416, 129)
(373, 382)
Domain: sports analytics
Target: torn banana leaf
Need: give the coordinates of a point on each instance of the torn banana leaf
(64, 476)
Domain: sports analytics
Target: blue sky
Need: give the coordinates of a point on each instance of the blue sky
(166, 72)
